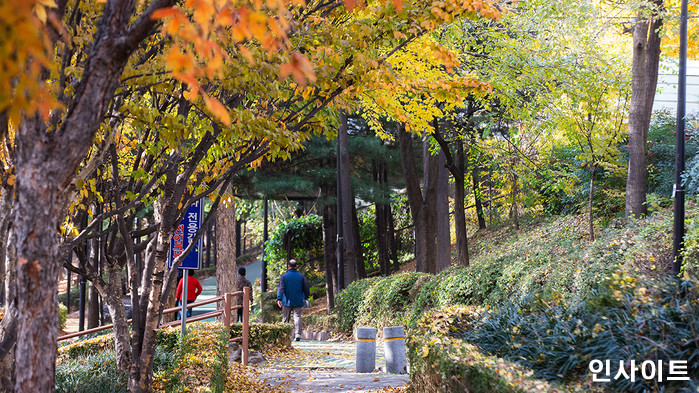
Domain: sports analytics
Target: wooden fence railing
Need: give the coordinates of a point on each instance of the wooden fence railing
(226, 312)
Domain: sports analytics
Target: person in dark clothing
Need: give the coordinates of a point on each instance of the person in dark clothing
(242, 283)
(292, 294)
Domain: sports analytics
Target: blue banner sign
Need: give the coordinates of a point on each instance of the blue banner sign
(183, 236)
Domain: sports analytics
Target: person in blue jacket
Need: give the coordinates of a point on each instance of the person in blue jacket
(292, 294)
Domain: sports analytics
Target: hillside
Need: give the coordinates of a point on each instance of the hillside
(537, 305)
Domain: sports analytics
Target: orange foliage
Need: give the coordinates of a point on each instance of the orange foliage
(25, 47)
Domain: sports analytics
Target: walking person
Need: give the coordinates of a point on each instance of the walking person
(242, 283)
(193, 290)
(292, 294)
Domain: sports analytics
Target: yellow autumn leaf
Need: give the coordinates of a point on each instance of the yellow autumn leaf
(218, 110)
(48, 3)
(40, 12)
(258, 25)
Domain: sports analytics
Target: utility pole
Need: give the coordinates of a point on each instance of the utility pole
(678, 192)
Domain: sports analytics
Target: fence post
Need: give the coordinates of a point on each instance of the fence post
(246, 324)
(227, 310)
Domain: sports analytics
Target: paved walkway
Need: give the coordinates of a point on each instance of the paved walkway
(313, 366)
(322, 366)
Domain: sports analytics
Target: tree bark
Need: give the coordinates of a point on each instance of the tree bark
(46, 163)
(515, 192)
(644, 76)
(329, 252)
(143, 350)
(442, 215)
(93, 307)
(429, 195)
(477, 195)
(381, 221)
(456, 166)
(115, 305)
(226, 266)
(589, 205)
(381, 237)
(8, 325)
(350, 242)
(358, 251)
(41, 180)
(395, 266)
(7, 259)
(462, 257)
(8, 338)
(422, 206)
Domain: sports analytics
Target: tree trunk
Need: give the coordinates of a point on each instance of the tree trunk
(238, 232)
(7, 259)
(358, 251)
(381, 237)
(93, 309)
(395, 266)
(153, 286)
(380, 209)
(477, 195)
(462, 257)
(226, 266)
(350, 242)
(589, 205)
(115, 304)
(429, 200)
(455, 165)
(329, 250)
(442, 215)
(47, 160)
(8, 325)
(515, 191)
(8, 338)
(422, 208)
(41, 182)
(644, 76)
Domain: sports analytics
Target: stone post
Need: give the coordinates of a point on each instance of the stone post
(366, 349)
(394, 350)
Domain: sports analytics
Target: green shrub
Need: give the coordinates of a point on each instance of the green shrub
(263, 335)
(169, 339)
(387, 302)
(457, 285)
(318, 292)
(348, 301)
(88, 347)
(62, 316)
(74, 297)
(267, 311)
(300, 239)
(201, 361)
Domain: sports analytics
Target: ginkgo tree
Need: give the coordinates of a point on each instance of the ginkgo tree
(221, 101)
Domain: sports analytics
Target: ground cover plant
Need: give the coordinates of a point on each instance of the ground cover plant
(199, 363)
(548, 300)
(628, 320)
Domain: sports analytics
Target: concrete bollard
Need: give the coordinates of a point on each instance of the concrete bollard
(394, 350)
(366, 349)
